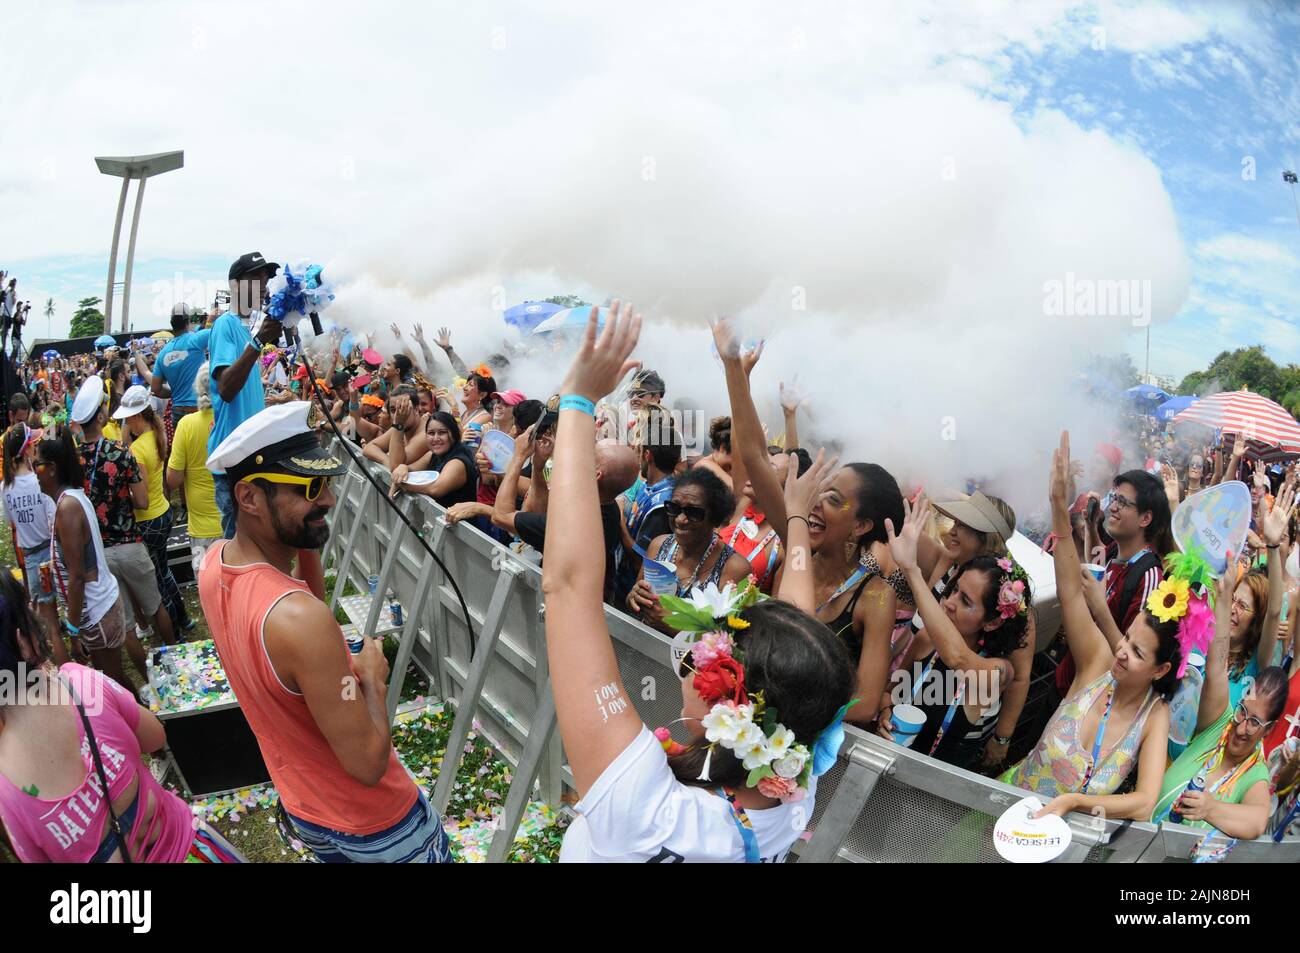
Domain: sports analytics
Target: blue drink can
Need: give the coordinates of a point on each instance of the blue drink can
(395, 608)
(1196, 784)
(374, 583)
(355, 643)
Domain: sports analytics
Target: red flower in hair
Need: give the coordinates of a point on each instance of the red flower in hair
(722, 678)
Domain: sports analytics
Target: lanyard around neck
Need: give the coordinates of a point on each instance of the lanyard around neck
(743, 825)
(1096, 744)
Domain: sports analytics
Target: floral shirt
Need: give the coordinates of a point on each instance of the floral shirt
(111, 469)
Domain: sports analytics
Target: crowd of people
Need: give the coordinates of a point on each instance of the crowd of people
(823, 584)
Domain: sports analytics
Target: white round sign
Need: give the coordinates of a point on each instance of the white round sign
(1022, 839)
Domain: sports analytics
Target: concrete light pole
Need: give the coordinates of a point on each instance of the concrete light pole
(128, 168)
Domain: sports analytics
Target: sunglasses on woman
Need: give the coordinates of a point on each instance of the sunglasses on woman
(312, 486)
(693, 514)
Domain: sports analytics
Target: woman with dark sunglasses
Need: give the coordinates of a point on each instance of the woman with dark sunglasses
(700, 504)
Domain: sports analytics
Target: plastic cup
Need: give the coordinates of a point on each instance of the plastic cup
(1097, 571)
(908, 721)
(374, 583)
(661, 576)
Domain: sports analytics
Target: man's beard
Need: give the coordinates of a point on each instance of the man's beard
(304, 535)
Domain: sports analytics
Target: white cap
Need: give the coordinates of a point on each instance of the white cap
(275, 437)
(88, 400)
(134, 401)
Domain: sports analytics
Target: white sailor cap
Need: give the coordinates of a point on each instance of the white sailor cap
(277, 437)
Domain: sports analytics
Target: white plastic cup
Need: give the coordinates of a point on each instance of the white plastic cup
(908, 721)
(1097, 571)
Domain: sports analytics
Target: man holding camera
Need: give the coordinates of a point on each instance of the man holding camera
(234, 351)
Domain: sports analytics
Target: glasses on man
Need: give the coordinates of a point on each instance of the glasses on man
(693, 514)
(1253, 724)
(1121, 501)
(312, 486)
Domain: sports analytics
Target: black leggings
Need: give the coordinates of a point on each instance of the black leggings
(155, 532)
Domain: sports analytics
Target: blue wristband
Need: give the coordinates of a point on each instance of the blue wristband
(72, 629)
(577, 402)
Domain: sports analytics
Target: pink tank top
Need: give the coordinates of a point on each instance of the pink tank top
(69, 829)
(312, 784)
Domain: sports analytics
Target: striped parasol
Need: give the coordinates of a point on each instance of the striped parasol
(1240, 411)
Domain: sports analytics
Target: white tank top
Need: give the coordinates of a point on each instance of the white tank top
(100, 594)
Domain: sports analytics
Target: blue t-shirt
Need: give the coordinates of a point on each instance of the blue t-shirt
(229, 340)
(179, 361)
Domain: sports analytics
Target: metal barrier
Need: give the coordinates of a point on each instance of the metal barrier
(879, 803)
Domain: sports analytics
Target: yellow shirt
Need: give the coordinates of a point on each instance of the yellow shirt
(190, 456)
(113, 431)
(145, 449)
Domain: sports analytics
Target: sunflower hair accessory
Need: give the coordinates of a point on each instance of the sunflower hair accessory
(1185, 596)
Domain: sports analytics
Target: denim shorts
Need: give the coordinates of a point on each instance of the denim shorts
(32, 560)
(418, 838)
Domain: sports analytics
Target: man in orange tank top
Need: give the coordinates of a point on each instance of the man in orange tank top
(318, 712)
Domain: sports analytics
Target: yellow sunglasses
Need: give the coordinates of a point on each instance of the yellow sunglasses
(312, 485)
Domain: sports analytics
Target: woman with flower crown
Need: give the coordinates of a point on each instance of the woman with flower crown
(764, 691)
(1115, 717)
(981, 624)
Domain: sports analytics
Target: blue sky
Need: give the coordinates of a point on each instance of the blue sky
(1204, 92)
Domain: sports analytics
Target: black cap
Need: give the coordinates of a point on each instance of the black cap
(247, 264)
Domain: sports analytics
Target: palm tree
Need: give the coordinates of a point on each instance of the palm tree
(49, 317)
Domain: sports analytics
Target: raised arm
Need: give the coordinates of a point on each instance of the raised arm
(1214, 692)
(427, 365)
(596, 718)
(790, 410)
(1272, 526)
(1092, 654)
(746, 428)
(444, 342)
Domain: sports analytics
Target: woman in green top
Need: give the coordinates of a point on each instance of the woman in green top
(1227, 747)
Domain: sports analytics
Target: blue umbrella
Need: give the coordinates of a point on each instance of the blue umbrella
(105, 340)
(1146, 395)
(528, 315)
(50, 353)
(1175, 405)
(571, 319)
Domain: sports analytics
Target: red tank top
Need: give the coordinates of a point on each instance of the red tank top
(312, 784)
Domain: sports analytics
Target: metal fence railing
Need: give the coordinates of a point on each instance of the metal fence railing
(880, 803)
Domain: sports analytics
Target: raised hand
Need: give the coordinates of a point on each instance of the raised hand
(749, 359)
(444, 338)
(791, 400)
(605, 360)
(1060, 481)
(397, 332)
(801, 492)
(1239, 445)
(903, 545)
(1273, 523)
(418, 330)
(724, 338)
